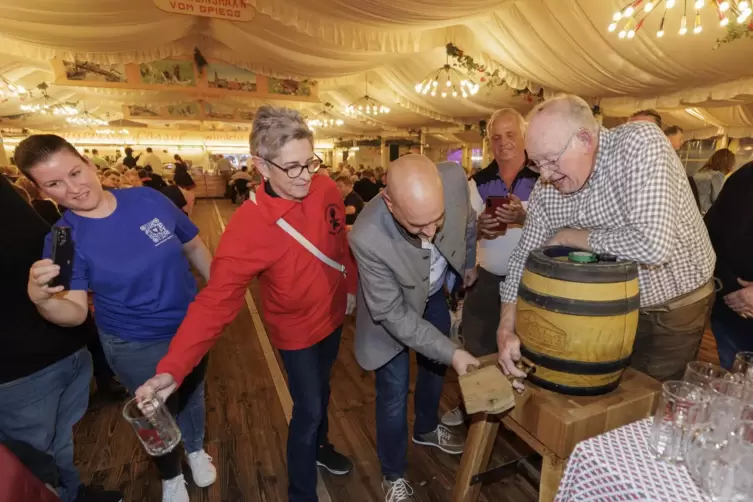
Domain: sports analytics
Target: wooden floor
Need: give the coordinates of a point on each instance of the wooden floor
(246, 426)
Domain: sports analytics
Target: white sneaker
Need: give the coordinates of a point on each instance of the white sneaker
(174, 490)
(397, 491)
(203, 471)
(453, 418)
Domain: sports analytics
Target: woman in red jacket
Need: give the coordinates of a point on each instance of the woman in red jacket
(306, 291)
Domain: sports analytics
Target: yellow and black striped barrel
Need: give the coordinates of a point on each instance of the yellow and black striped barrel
(577, 321)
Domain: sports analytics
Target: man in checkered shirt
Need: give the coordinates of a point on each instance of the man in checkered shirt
(622, 192)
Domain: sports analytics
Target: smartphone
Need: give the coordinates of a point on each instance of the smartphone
(62, 255)
(492, 203)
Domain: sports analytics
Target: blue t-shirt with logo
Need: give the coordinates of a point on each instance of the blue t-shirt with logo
(133, 263)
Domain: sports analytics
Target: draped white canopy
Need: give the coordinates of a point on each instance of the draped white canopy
(557, 45)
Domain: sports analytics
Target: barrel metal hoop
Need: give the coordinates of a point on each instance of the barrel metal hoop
(579, 307)
(539, 262)
(575, 367)
(574, 391)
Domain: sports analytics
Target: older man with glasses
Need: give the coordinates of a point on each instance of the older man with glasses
(621, 192)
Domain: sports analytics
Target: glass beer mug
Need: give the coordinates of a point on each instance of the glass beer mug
(154, 425)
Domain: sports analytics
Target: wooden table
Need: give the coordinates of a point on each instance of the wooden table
(552, 424)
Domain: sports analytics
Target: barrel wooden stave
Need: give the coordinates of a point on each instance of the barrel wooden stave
(580, 334)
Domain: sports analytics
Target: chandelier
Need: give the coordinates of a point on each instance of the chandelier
(86, 120)
(54, 109)
(366, 106)
(633, 16)
(447, 81)
(47, 107)
(10, 90)
(324, 119)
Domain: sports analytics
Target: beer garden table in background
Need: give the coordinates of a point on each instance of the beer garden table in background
(553, 424)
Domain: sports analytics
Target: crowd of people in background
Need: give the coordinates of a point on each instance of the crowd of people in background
(114, 176)
(143, 325)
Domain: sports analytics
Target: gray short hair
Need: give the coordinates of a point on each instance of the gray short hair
(572, 108)
(502, 113)
(274, 127)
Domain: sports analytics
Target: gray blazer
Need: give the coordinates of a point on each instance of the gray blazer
(393, 275)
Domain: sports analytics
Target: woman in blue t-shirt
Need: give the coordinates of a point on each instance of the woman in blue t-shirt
(132, 250)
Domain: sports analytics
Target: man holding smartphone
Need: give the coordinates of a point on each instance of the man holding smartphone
(498, 193)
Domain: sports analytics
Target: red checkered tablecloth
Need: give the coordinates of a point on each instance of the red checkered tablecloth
(618, 466)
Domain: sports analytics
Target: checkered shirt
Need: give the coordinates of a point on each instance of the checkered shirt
(638, 205)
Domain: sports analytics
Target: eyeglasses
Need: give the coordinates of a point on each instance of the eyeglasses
(538, 166)
(293, 172)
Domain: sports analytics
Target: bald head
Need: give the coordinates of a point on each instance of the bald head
(560, 117)
(413, 179)
(415, 195)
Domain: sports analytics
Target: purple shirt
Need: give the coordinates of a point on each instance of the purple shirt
(493, 255)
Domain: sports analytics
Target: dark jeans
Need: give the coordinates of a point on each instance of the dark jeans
(481, 311)
(392, 383)
(103, 374)
(42, 408)
(732, 335)
(309, 372)
(667, 341)
(136, 362)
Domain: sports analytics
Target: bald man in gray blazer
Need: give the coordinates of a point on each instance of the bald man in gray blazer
(412, 243)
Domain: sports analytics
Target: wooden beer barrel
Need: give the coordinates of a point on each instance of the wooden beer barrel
(577, 321)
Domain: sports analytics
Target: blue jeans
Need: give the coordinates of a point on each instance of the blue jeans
(732, 336)
(309, 372)
(136, 362)
(392, 384)
(42, 408)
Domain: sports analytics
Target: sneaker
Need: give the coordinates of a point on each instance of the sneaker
(335, 462)
(442, 438)
(96, 494)
(397, 491)
(204, 473)
(453, 418)
(174, 490)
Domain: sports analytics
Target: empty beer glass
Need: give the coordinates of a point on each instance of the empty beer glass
(154, 425)
(726, 404)
(744, 365)
(683, 407)
(722, 467)
(702, 374)
(705, 445)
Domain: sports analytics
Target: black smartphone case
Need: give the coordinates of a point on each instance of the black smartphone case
(63, 250)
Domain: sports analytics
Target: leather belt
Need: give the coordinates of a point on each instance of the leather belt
(684, 300)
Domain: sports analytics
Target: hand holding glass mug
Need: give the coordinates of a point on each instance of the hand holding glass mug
(153, 423)
(162, 385)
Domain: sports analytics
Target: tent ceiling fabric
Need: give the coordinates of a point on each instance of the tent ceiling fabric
(557, 45)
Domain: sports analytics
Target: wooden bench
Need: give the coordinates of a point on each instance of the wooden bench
(552, 424)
